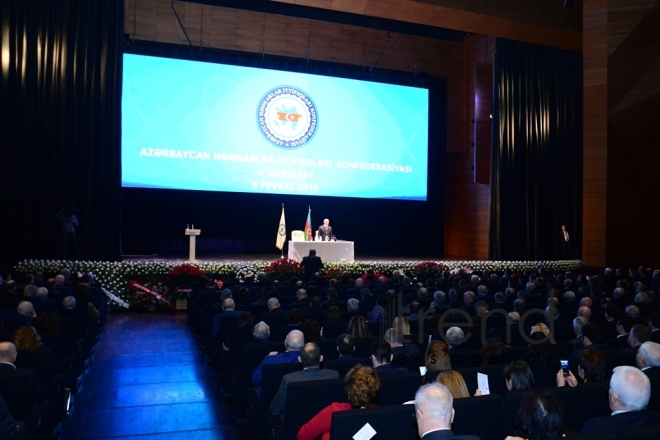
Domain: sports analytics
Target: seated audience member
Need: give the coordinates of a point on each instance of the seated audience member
(648, 359)
(540, 417)
(358, 328)
(8, 355)
(454, 381)
(229, 312)
(394, 338)
(402, 325)
(345, 347)
(519, 376)
(10, 429)
(5, 334)
(362, 386)
(592, 339)
(311, 329)
(629, 394)
(233, 343)
(381, 356)
(434, 413)
(653, 321)
(591, 368)
(493, 353)
(310, 358)
(48, 327)
(377, 313)
(455, 337)
(24, 313)
(353, 305)
(69, 310)
(637, 336)
(293, 343)
(27, 339)
(545, 351)
(437, 357)
(623, 327)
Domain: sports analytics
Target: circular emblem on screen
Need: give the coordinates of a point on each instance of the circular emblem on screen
(287, 117)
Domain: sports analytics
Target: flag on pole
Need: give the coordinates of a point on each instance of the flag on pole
(308, 226)
(281, 232)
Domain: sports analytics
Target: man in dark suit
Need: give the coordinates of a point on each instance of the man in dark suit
(345, 347)
(223, 321)
(381, 356)
(434, 413)
(310, 358)
(325, 231)
(629, 394)
(312, 264)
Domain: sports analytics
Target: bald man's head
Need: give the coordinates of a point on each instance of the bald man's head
(7, 352)
(294, 340)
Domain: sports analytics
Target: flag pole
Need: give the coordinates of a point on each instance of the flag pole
(284, 237)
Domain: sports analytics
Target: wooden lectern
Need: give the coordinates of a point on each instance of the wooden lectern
(192, 233)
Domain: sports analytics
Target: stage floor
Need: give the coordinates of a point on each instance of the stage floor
(258, 258)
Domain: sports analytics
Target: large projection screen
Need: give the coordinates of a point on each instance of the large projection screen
(203, 126)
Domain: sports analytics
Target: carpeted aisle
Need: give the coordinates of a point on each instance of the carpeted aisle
(148, 380)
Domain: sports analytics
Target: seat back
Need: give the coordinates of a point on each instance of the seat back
(344, 366)
(489, 409)
(272, 378)
(394, 421)
(305, 399)
(398, 388)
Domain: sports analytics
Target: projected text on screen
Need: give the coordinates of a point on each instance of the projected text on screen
(213, 127)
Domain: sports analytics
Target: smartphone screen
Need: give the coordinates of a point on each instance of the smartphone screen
(564, 366)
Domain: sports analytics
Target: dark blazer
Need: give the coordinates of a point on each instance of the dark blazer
(447, 434)
(312, 264)
(278, 405)
(388, 369)
(323, 234)
(620, 422)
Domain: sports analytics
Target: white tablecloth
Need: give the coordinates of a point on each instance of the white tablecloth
(329, 251)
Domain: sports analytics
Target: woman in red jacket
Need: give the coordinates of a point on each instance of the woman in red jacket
(361, 388)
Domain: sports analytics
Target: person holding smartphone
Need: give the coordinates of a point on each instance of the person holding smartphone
(591, 368)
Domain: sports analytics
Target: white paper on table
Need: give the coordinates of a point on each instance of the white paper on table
(482, 383)
(366, 433)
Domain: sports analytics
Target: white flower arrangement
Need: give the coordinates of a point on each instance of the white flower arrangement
(114, 276)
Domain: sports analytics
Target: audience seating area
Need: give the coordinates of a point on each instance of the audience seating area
(50, 372)
(604, 297)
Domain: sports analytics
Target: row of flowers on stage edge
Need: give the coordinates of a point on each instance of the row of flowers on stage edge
(162, 283)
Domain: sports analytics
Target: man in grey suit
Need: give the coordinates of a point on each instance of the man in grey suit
(311, 358)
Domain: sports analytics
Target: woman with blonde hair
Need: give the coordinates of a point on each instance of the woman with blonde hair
(362, 386)
(455, 382)
(437, 359)
(358, 328)
(402, 325)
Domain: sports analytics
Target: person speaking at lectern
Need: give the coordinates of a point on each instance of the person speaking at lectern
(325, 231)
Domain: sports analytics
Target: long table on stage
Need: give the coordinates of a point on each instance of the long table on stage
(329, 251)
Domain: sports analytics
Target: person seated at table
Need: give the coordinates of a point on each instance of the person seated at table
(362, 386)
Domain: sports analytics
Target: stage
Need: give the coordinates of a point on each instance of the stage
(255, 258)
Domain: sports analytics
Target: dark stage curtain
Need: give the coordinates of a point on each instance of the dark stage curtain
(536, 167)
(60, 106)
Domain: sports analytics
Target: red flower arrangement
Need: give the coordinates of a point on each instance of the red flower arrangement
(375, 275)
(333, 273)
(184, 276)
(284, 269)
(430, 269)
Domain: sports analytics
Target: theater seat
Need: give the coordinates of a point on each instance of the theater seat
(489, 409)
(395, 422)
